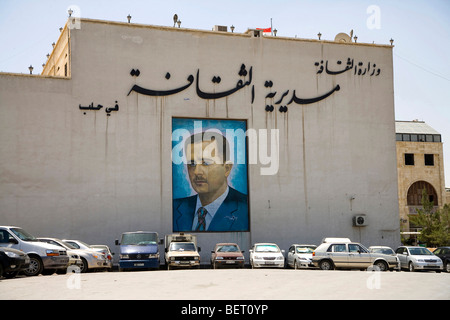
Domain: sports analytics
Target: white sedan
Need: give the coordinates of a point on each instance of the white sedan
(266, 255)
(300, 256)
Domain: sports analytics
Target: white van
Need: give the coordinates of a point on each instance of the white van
(44, 257)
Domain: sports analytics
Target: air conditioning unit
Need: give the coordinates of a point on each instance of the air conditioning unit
(360, 220)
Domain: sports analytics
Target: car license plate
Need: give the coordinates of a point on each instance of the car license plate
(230, 261)
(138, 264)
(270, 262)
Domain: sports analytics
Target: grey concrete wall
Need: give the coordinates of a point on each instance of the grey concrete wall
(91, 176)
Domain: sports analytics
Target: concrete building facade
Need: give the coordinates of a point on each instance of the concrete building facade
(87, 147)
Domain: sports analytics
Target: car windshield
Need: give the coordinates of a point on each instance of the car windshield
(420, 252)
(182, 246)
(383, 250)
(228, 248)
(267, 248)
(23, 235)
(58, 243)
(140, 239)
(305, 249)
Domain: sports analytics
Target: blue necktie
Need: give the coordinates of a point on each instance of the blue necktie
(201, 213)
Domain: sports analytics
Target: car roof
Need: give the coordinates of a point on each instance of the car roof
(226, 244)
(265, 243)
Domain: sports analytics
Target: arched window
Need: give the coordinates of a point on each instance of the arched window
(414, 197)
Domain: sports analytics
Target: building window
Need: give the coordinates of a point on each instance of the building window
(429, 159)
(409, 159)
(65, 70)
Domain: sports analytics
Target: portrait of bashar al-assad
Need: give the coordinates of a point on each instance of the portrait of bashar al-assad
(215, 204)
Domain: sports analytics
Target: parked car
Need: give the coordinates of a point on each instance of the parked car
(444, 254)
(139, 250)
(74, 258)
(350, 255)
(266, 255)
(300, 256)
(104, 249)
(384, 250)
(12, 261)
(227, 255)
(93, 260)
(44, 257)
(88, 259)
(418, 258)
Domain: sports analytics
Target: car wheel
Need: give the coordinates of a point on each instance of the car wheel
(84, 266)
(35, 266)
(447, 266)
(381, 265)
(326, 265)
(411, 267)
(296, 266)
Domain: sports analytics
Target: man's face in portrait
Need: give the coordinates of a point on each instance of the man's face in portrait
(206, 168)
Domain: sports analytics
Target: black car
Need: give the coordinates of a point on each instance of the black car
(444, 254)
(12, 261)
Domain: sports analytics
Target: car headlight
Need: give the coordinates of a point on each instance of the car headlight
(153, 255)
(239, 258)
(280, 258)
(12, 254)
(219, 258)
(196, 258)
(52, 253)
(420, 260)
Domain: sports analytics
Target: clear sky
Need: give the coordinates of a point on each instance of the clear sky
(420, 29)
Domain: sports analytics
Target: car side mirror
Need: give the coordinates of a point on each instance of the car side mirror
(12, 240)
(212, 251)
(199, 249)
(250, 251)
(242, 251)
(117, 242)
(161, 241)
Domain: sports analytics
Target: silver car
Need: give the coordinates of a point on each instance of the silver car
(351, 255)
(418, 258)
(300, 256)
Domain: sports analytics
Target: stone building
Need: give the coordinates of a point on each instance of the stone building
(88, 147)
(420, 162)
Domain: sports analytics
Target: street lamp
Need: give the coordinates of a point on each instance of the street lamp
(31, 69)
(319, 35)
(129, 18)
(232, 28)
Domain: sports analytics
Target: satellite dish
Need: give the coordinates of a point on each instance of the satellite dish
(342, 37)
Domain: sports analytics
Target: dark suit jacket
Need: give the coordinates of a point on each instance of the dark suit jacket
(232, 215)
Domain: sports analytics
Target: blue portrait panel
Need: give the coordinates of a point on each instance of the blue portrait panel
(210, 184)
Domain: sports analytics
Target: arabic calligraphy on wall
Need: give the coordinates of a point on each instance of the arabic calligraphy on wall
(360, 69)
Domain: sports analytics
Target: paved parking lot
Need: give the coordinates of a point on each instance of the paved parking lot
(230, 284)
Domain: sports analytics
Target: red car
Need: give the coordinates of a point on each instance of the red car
(227, 255)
